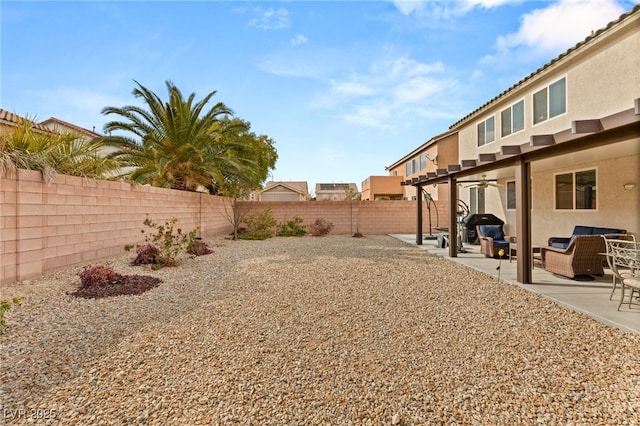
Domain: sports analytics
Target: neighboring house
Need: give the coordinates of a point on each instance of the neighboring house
(336, 191)
(376, 188)
(61, 126)
(284, 191)
(563, 143)
(441, 149)
(9, 120)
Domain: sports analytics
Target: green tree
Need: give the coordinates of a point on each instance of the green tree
(255, 153)
(179, 144)
(27, 146)
(258, 157)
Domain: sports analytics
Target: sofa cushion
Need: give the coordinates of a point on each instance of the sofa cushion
(493, 231)
(560, 245)
(582, 230)
(602, 231)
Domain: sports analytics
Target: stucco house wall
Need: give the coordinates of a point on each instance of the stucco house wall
(602, 79)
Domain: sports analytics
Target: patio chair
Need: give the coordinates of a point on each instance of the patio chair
(619, 267)
(492, 239)
(625, 261)
(583, 256)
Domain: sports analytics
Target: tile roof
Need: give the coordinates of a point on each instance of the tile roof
(12, 119)
(79, 129)
(297, 186)
(595, 34)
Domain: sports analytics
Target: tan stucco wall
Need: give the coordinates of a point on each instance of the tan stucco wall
(601, 80)
(616, 208)
(381, 185)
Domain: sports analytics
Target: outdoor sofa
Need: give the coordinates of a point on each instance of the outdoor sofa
(563, 242)
(583, 256)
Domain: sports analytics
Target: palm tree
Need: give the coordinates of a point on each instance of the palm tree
(26, 146)
(175, 144)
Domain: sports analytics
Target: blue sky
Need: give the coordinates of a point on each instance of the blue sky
(345, 88)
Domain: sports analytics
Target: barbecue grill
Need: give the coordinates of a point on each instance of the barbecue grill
(474, 219)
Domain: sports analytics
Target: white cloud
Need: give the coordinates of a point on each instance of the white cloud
(396, 91)
(443, 9)
(271, 19)
(552, 30)
(299, 39)
(408, 7)
(376, 115)
(350, 88)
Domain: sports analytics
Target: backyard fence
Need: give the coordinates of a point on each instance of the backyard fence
(73, 221)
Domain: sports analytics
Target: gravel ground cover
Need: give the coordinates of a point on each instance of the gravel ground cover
(299, 331)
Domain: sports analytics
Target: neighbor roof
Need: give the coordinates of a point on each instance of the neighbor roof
(78, 129)
(297, 186)
(12, 119)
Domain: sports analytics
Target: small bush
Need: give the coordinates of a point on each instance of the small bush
(259, 226)
(198, 247)
(6, 305)
(147, 254)
(320, 227)
(164, 243)
(291, 228)
(168, 239)
(102, 281)
(99, 275)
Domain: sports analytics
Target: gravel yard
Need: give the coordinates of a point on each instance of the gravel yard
(298, 331)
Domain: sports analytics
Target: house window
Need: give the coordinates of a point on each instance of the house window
(408, 171)
(511, 195)
(576, 190)
(395, 173)
(476, 200)
(486, 131)
(550, 101)
(512, 119)
(414, 165)
(423, 161)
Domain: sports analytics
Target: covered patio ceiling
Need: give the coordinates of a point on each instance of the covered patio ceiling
(587, 140)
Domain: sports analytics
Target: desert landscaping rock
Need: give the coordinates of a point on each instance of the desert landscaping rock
(296, 331)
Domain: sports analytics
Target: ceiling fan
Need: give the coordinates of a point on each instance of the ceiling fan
(483, 183)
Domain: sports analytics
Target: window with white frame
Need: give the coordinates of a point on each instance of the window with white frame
(512, 119)
(550, 101)
(408, 171)
(423, 161)
(414, 165)
(576, 190)
(511, 195)
(486, 131)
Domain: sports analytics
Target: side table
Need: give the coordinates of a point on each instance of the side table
(535, 250)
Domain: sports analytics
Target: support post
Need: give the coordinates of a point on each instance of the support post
(419, 215)
(453, 217)
(523, 222)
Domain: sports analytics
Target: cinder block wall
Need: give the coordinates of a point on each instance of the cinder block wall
(74, 221)
(71, 221)
(367, 217)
